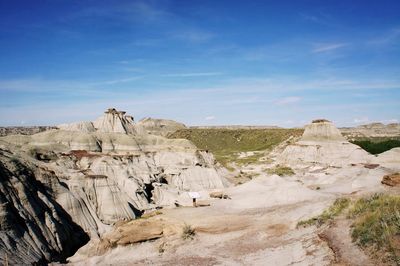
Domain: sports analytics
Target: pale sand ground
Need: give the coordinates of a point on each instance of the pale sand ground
(256, 227)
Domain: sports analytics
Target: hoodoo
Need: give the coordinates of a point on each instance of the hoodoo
(114, 121)
(322, 143)
(321, 130)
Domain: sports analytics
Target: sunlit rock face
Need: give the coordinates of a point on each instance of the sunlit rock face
(102, 172)
(114, 121)
(322, 143)
(160, 127)
(321, 130)
(80, 126)
(35, 228)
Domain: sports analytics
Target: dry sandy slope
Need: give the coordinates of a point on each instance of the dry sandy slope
(256, 227)
(248, 229)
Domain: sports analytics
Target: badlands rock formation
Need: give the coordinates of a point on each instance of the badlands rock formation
(323, 143)
(4, 131)
(373, 130)
(323, 158)
(91, 175)
(160, 127)
(257, 224)
(34, 227)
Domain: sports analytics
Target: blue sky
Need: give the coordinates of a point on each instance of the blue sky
(200, 62)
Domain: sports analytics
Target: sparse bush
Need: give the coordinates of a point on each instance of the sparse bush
(281, 171)
(188, 232)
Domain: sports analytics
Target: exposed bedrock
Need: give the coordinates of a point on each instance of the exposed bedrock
(34, 227)
(61, 186)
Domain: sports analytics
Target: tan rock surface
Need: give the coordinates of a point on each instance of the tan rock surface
(392, 180)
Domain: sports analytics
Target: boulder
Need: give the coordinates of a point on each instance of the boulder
(132, 232)
(392, 180)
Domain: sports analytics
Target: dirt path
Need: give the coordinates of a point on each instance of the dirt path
(339, 240)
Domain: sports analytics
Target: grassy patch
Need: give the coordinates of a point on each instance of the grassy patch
(225, 144)
(281, 171)
(336, 209)
(249, 159)
(377, 145)
(188, 232)
(377, 223)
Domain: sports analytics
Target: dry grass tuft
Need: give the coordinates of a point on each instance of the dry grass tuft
(188, 232)
(377, 223)
(281, 170)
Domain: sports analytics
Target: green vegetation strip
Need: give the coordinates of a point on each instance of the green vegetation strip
(225, 144)
(377, 145)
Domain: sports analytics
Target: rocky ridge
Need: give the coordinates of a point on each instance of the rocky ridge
(102, 172)
(372, 130)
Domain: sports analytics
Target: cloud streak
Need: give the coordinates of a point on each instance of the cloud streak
(288, 100)
(194, 74)
(327, 47)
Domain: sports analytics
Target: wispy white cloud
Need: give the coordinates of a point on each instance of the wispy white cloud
(321, 18)
(192, 35)
(361, 120)
(45, 85)
(194, 74)
(390, 121)
(386, 38)
(288, 100)
(136, 11)
(320, 48)
(115, 81)
(309, 17)
(239, 101)
(209, 118)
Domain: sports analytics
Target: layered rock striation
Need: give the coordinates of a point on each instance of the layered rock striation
(322, 143)
(34, 227)
(102, 172)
